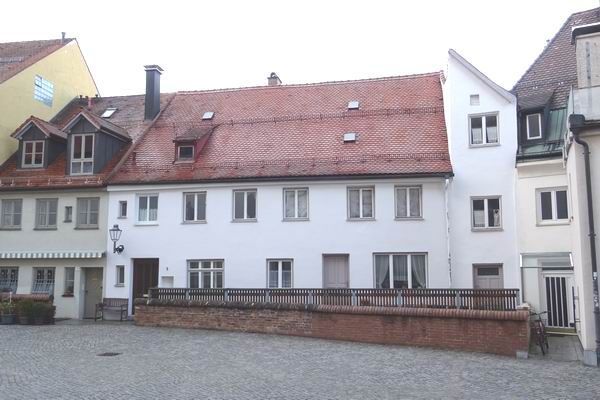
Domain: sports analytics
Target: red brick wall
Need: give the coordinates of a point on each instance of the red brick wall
(498, 332)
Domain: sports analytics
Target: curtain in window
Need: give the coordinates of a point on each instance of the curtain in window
(382, 271)
(494, 212)
(143, 208)
(251, 205)
(238, 205)
(354, 200)
(401, 207)
(42, 211)
(290, 204)
(478, 214)
(153, 209)
(189, 207)
(400, 264)
(367, 199)
(201, 206)
(82, 211)
(419, 271)
(476, 130)
(302, 203)
(415, 202)
(273, 274)
(491, 129)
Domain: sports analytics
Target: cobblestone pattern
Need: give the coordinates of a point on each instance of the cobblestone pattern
(61, 362)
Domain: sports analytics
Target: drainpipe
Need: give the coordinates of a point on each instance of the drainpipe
(446, 185)
(592, 233)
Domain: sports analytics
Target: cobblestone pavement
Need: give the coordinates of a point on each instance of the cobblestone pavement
(61, 362)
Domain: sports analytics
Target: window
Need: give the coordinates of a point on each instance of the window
(194, 207)
(360, 203)
(534, 126)
(353, 105)
(244, 205)
(400, 271)
(45, 213)
(108, 112)
(350, 137)
(43, 280)
(87, 212)
(82, 154)
(295, 204)
(122, 209)
(486, 213)
(68, 214)
(552, 205)
(148, 208)
(43, 90)
(483, 129)
(474, 99)
(208, 115)
(33, 154)
(205, 274)
(9, 278)
(408, 202)
(279, 274)
(120, 278)
(69, 281)
(185, 153)
(11, 214)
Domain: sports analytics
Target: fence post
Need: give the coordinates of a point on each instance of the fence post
(225, 295)
(457, 300)
(187, 294)
(267, 296)
(398, 298)
(310, 297)
(354, 300)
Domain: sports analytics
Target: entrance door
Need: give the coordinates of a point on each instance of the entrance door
(335, 271)
(93, 290)
(145, 276)
(488, 276)
(558, 292)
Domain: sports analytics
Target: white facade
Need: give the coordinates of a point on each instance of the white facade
(245, 247)
(483, 168)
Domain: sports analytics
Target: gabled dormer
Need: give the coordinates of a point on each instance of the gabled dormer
(190, 143)
(92, 142)
(40, 143)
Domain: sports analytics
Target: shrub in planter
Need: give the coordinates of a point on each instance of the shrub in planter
(42, 313)
(24, 311)
(7, 313)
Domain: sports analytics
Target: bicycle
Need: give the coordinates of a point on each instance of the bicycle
(539, 329)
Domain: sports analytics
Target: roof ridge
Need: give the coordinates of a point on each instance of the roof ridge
(323, 83)
(39, 40)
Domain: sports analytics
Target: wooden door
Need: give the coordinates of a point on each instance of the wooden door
(335, 271)
(145, 276)
(93, 290)
(488, 276)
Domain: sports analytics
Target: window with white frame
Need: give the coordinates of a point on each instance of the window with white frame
(533, 124)
(82, 154)
(244, 205)
(185, 152)
(33, 154)
(147, 208)
(43, 280)
(122, 209)
(69, 281)
(408, 202)
(483, 129)
(279, 274)
(552, 205)
(194, 207)
(120, 275)
(9, 279)
(87, 212)
(45, 213)
(11, 213)
(43, 90)
(205, 274)
(400, 271)
(361, 202)
(486, 213)
(295, 203)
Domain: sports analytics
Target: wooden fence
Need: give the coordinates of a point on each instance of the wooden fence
(473, 299)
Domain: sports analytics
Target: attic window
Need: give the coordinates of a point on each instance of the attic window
(349, 137)
(474, 99)
(208, 115)
(108, 112)
(185, 152)
(353, 105)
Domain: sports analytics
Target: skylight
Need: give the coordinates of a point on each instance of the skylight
(208, 115)
(353, 105)
(108, 112)
(349, 137)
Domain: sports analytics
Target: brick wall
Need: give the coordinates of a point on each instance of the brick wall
(497, 332)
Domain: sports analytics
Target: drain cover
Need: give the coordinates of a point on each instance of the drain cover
(108, 354)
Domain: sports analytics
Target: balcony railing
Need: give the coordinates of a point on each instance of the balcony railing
(585, 101)
(472, 299)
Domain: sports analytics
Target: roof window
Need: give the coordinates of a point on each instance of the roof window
(208, 115)
(108, 112)
(350, 137)
(353, 105)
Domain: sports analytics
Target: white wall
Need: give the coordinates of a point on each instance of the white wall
(480, 171)
(245, 247)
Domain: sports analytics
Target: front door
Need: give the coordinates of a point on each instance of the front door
(145, 276)
(488, 276)
(558, 292)
(335, 271)
(93, 290)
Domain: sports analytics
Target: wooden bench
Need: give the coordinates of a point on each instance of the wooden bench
(120, 305)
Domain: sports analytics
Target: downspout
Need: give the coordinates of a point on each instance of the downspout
(447, 215)
(592, 237)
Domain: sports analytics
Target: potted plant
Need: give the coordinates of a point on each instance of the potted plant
(24, 311)
(39, 313)
(7, 313)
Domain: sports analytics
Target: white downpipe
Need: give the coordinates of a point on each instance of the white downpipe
(447, 215)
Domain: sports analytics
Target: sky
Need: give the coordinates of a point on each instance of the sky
(222, 44)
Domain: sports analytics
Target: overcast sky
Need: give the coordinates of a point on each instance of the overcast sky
(217, 44)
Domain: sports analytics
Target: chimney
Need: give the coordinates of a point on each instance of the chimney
(152, 102)
(63, 35)
(587, 50)
(273, 79)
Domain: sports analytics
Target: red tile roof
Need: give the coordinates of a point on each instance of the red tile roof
(17, 56)
(48, 129)
(295, 131)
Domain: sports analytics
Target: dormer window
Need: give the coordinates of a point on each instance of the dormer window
(108, 112)
(82, 154)
(208, 115)
(185, 152)
(33, 154)
(534, 126)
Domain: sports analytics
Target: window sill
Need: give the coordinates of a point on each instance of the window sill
(146, 224)
(553, 223)
(244, 220)
(409, 219)
(121, 217)
(119, 285)
(10, 229)
(184, 161)
(45, 229)
(477, 146)
(487, 229)
(360, 219)
(86, 228)
(68, 295)
(193, 222)
(295, 220)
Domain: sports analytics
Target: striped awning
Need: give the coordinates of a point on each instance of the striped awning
(51, 254)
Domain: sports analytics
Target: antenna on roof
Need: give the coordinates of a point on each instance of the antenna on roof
(63, 35)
